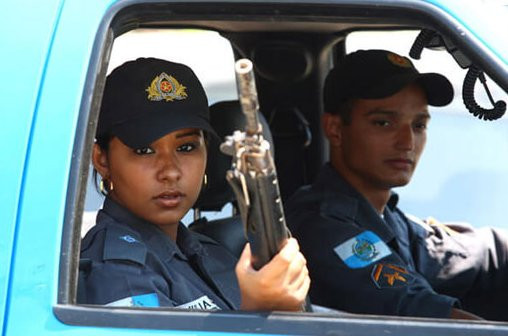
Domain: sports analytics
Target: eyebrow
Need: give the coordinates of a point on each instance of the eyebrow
(424, 114)
(189, 133)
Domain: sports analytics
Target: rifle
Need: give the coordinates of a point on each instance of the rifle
(253, 177)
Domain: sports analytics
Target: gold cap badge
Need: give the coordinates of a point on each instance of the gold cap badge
(399, 60)
(166, 87)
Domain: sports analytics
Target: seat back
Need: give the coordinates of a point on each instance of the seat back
(225, 117)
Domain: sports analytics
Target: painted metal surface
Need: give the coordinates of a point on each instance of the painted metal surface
(22, 67)
(43, 66)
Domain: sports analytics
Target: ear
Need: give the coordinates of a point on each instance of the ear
(332, 127)
(100, 161)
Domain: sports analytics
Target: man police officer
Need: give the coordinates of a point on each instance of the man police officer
(364, 255)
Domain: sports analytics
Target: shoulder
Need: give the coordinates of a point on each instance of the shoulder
(320, 208)
(110, 240)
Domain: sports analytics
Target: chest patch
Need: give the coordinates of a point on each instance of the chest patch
(362, 250)
(202, 303)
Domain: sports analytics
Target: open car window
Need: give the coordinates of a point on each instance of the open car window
(191, 36)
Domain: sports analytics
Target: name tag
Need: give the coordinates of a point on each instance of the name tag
(362, 250)
(202, 303)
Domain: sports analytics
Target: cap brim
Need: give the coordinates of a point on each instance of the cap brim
(142, 132)
(437, 87)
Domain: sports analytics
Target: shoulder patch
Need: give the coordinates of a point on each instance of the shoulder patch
(362, 250)
(144, 300)
(124, 244)
(391, 276)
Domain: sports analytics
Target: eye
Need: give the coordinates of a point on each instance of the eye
(420, 126)
(187, 147)
(144, 151)
(381, 123)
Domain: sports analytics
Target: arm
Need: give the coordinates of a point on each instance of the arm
(465, 262)
(381, 285)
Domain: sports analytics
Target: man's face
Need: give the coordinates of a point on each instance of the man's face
(381, 146)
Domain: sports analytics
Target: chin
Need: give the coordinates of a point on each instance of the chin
(400, 182)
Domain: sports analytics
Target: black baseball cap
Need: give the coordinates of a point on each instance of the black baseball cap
(148, 98)
(376, 74)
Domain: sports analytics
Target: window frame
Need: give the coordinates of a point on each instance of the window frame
(126, 15)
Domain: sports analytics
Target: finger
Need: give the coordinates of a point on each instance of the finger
(245, 259)
(302, 291)
(277, 268)
(297, 269)
(288, 252)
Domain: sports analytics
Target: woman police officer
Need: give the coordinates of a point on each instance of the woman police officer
(151, 154)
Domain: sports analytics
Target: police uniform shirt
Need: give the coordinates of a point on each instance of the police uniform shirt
(126, 261)
(362, 262)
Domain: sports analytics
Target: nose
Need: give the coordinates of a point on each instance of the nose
(168, 167)
(405, 138)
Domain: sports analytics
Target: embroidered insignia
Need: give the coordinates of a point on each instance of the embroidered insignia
(202, 303)
(165, 87)
(391, 276)
(144, 300)
(399, 60)
(362, 250)
(129, 239)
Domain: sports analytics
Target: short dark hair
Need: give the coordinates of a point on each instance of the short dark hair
(344, 110)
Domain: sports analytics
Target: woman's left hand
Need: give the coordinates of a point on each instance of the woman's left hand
(282, 284)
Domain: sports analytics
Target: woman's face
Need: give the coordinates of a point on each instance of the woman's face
(158, 183)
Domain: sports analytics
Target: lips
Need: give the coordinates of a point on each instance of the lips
(400, 164)
(169, 199)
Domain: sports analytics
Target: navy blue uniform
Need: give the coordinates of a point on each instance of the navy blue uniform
(127, 261)
(362, 262)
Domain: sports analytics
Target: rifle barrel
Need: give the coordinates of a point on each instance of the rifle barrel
(247, 95)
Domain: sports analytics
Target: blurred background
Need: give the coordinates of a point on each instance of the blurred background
(463, 173)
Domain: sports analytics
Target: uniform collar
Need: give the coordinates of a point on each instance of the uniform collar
(152, 235)
(341, 198)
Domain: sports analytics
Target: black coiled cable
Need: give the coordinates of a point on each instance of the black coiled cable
(499, 107)
(423, 39)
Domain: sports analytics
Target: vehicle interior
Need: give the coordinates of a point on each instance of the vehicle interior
(293, 45)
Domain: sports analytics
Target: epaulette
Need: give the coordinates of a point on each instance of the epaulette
(123, 244)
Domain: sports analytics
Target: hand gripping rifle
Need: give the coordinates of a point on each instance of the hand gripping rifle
(253, 176)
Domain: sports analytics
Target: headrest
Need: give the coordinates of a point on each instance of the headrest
(225, 118)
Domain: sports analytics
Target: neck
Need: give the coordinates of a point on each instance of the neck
(378, 197)
(170, 230)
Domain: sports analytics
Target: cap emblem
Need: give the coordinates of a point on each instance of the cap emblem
(165, 87)
(399, 60)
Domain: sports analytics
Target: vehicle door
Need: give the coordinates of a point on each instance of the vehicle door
(22, 65)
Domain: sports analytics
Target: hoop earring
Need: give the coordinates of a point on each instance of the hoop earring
(205, 180)
(105, 186)
(102, 187)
